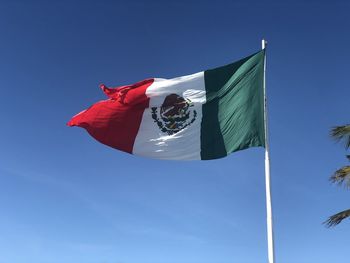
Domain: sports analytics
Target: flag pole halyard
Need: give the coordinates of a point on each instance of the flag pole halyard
(270, 242)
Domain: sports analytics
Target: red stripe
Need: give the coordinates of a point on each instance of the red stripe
(116, 121)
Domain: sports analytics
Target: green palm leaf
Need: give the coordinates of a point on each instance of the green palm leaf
(341, 176)
(341, 133)
(337, 218)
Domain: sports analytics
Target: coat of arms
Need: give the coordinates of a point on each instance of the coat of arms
(174, 114)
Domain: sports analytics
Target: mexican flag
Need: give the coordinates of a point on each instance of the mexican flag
(202, 116)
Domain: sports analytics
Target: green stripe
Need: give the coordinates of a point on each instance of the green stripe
(233, 116)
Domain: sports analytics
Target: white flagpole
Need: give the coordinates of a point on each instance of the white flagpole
(270, 243)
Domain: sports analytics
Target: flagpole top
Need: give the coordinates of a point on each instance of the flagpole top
(263, 44)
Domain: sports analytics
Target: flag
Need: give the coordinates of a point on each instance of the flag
(202, 116)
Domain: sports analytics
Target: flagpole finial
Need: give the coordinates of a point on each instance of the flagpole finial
(263, 43)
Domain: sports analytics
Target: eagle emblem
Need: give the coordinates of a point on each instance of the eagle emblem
(174, 115)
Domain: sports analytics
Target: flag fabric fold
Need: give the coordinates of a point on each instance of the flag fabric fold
(202, 116)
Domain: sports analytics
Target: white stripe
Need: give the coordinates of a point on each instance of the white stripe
(185, 144)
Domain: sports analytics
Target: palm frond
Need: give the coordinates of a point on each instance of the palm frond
(341, 176)
(341, 133)
(337, 218)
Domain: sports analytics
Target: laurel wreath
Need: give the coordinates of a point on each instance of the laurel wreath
(171, 131)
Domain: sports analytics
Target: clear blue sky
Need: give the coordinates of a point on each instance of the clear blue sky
(66, 198)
